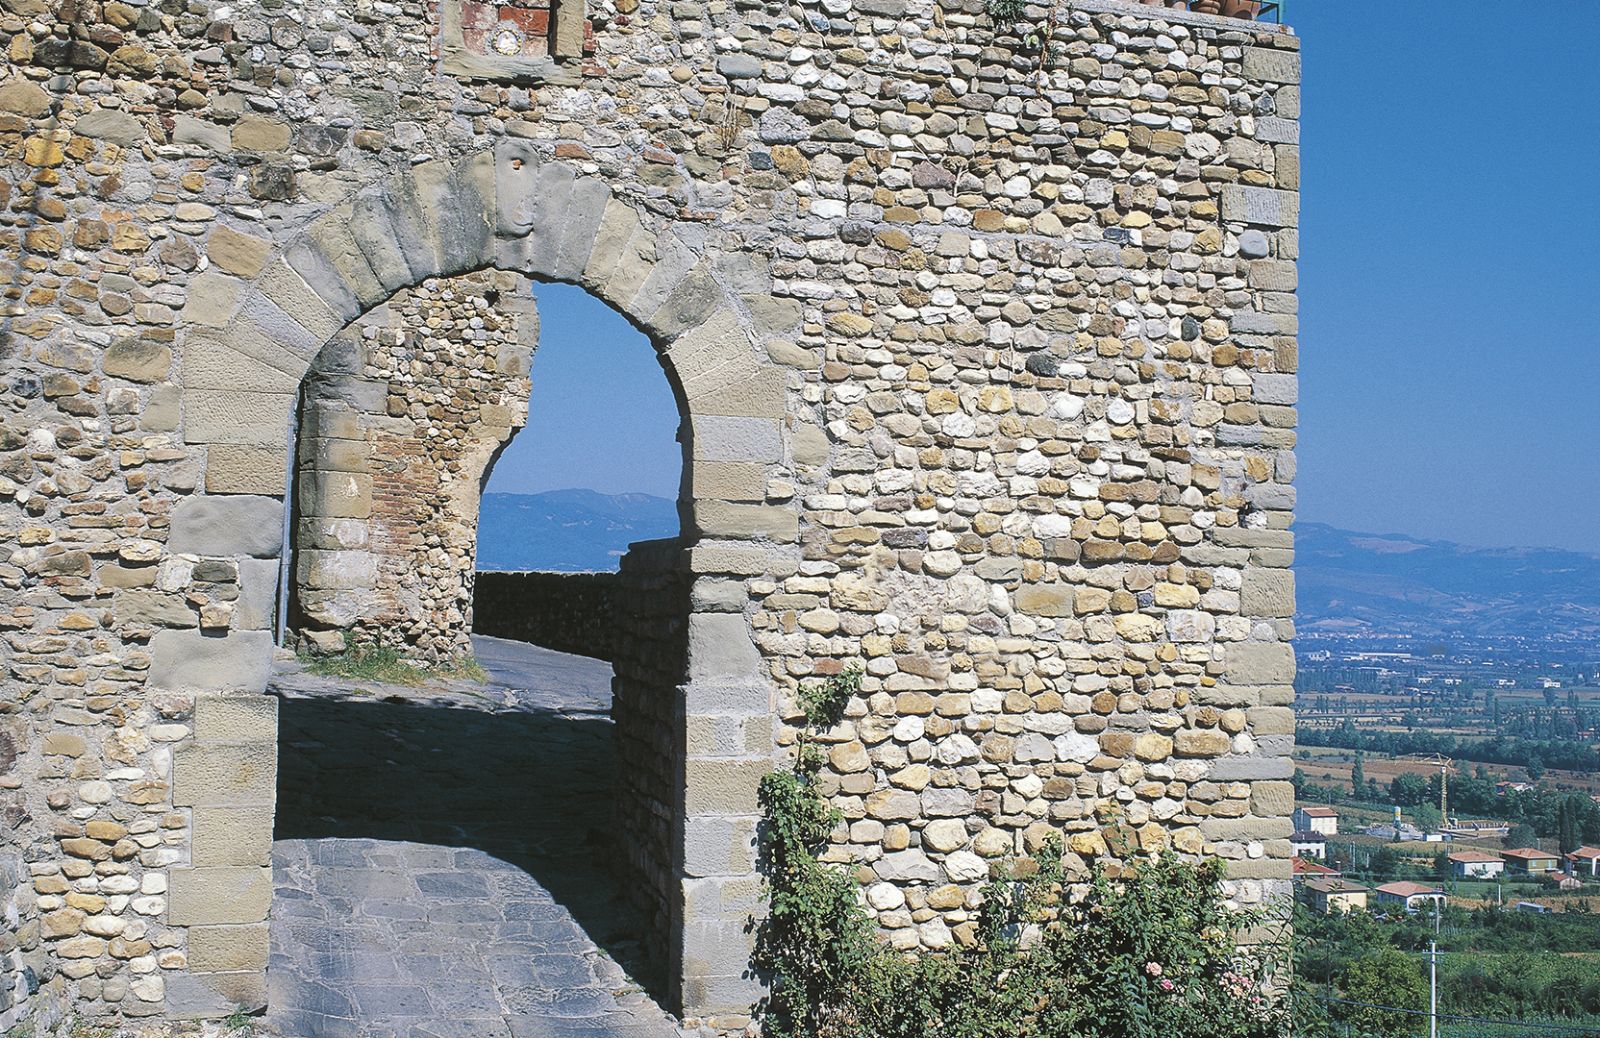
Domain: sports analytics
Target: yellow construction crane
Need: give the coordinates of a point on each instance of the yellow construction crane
(1444, 764)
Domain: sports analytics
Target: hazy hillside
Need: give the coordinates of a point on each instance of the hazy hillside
(1352, 581)
(1348, 582)
(568, 530)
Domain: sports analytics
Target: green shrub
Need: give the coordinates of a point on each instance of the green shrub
(1149, 950)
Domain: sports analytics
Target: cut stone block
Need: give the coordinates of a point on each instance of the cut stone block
(193, 661)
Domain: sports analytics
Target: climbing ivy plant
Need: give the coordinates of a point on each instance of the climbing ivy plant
(1148, 950)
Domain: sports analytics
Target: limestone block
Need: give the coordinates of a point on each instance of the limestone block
(329, 260)
(909, 866)
(238, 468)
(1267, 593)
(1259, 663)
(1269, 388)
(190, 660)
(212, 300)
(747, 522)
(1263, 206)
(529, 207)
(231, 836)
(148, 606)
(635, 263)
(723, 785)
(218, 949)
(226, 719)
(1274, 275)
(730, 480)
(731, 438)
(718, 846)
(458, 204)
(1271, 65)
(108, 124)
(21, 97)
(234, 524)
(256, 607)
(200, 996)
(808, 445)
(1045, 599)
(721, 650)
(1271, 799)
(336, 495)
(214, 359)
(391, 230)
(137, 360)
(740, 389)
(617, 225)
(228, 416)
(692, 300)
(260, 133)
(236, 252)
(337, 570)
(336, 455)
(1246, 828)
(674, 261)
(286, 292)
(163, 409)
(585, 211)
(186, 129)
(224, 775)
(220, 895)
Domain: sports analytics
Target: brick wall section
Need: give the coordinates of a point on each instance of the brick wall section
(568, 612)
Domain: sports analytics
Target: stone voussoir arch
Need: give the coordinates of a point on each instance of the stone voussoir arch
(246, 346)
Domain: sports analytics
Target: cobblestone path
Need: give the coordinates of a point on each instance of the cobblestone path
(438, 869)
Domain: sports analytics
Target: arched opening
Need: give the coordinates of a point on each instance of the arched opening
(493, 843)
(256, 357)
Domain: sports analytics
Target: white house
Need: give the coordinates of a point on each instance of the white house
(1322, 820)
(1408, 895)
(1308, 844)
(1585, 861)
(1476, 865)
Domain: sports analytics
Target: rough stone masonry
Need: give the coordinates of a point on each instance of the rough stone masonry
(985, 342)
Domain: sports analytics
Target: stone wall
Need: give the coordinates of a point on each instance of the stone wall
(650, 620)
(401, 416)
(568, 612)
(987, 356)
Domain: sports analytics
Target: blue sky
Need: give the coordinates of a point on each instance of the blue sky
(1450, 364)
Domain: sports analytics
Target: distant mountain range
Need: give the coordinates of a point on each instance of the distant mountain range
(1354, 583)
(1349, 583)
(570, 531)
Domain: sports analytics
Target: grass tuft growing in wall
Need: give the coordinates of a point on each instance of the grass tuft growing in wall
(384, 664)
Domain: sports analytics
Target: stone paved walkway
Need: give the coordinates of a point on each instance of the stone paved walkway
(438, 868)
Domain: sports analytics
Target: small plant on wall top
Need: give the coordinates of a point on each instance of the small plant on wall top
(1148, 950)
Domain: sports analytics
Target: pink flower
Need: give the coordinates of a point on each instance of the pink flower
(1166, 985)
(1153, 968)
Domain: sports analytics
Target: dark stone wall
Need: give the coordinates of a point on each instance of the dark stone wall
(568, 612)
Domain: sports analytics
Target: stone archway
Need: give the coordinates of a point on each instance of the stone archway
(250, 344)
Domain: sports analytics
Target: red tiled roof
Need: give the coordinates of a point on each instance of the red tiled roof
(1302, 867)
(1406, 888)
(1320, 812)
(1473, 857)
(1529, 853)
(1584, 853)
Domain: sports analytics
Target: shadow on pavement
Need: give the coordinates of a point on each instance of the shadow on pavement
(531, 787)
